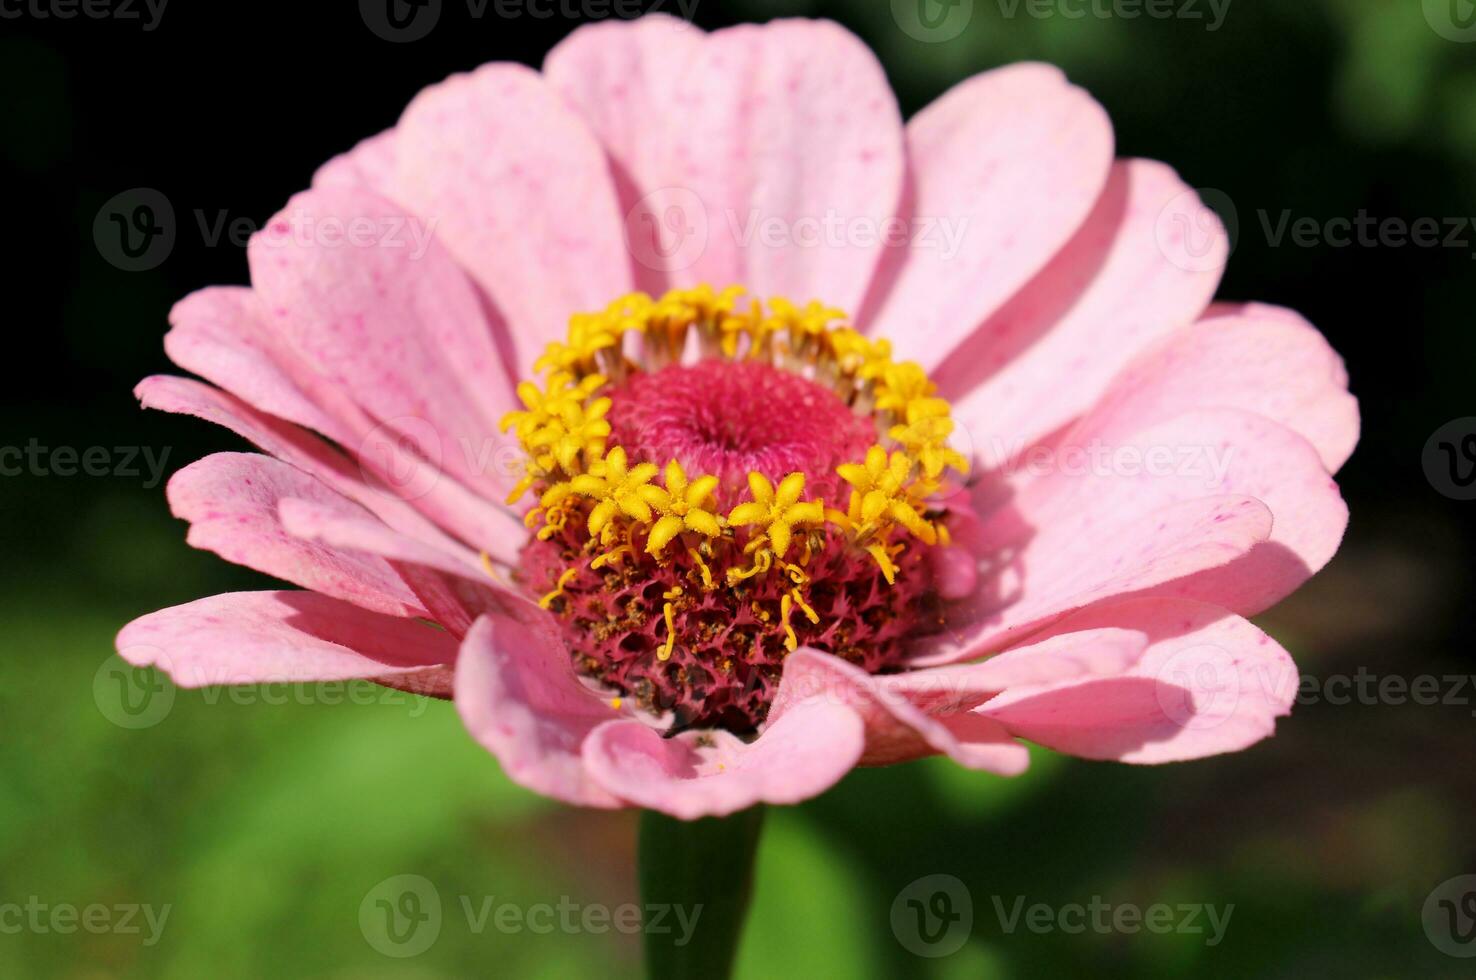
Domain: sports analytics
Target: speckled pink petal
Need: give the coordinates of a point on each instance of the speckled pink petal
(520, 193)
(370, 165)
(712, 774)
(896, 729)
(1009, 163)
(309, 520)
(365, 294)
(947, 690)
(279, 637)
(300, 448)
(1209, 682)
(518, 695)
(1114, 288)
(1258, 358)
(1076, 554)
(772, 154)
(230, 500)
(218, 333)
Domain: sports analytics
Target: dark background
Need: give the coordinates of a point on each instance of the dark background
(263, 826)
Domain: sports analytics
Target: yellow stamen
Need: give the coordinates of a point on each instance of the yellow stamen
(564, 580)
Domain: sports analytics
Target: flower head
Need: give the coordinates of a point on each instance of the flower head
(826, 574)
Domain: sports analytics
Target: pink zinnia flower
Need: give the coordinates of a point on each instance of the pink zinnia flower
(717, 548)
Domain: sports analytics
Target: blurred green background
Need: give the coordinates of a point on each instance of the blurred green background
(264, 826)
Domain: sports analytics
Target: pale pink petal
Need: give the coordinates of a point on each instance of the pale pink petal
(1076, 556)
(280, 637)
(1005, 167)
(518, 695)
(219, 334)
(1112, 290)
(712, 774)
(364, 294)
(370, 165)
(520, 192)
(1083, 653)
(1258, 358)
(771, 154)
(312, 455)
(896, 730)
(1209, 682)
(230, 500)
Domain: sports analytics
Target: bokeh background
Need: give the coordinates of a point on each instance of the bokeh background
(265, 825)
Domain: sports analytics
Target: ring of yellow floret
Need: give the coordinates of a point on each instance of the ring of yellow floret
(563, 431)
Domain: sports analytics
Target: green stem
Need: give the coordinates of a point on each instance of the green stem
(697, 874)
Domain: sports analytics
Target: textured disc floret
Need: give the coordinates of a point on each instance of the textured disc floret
(717, 482)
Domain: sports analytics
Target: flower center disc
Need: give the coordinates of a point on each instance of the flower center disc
(799, 470)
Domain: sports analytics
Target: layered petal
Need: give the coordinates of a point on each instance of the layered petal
(712, 774)
(1209, 682)
(280, 637)
(519, 191)
(769, 156)
(1004, 169)
(518, 695)
(1261, 359)
(231, 499)
(366, 296)
(1110, 292)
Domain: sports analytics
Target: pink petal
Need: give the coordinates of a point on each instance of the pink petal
(1106, 295)
(364, 294)
(219, 333)
(230, 500)
(1083, 653)
(1258, 358)
(1072, 556)
(370, 165)
(279, 637)
(519, 697)
(474, 519)
(1209, 682)
(789, 126)
(521, 195)
(1013, 161)
(712, 774)
(896, 730)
